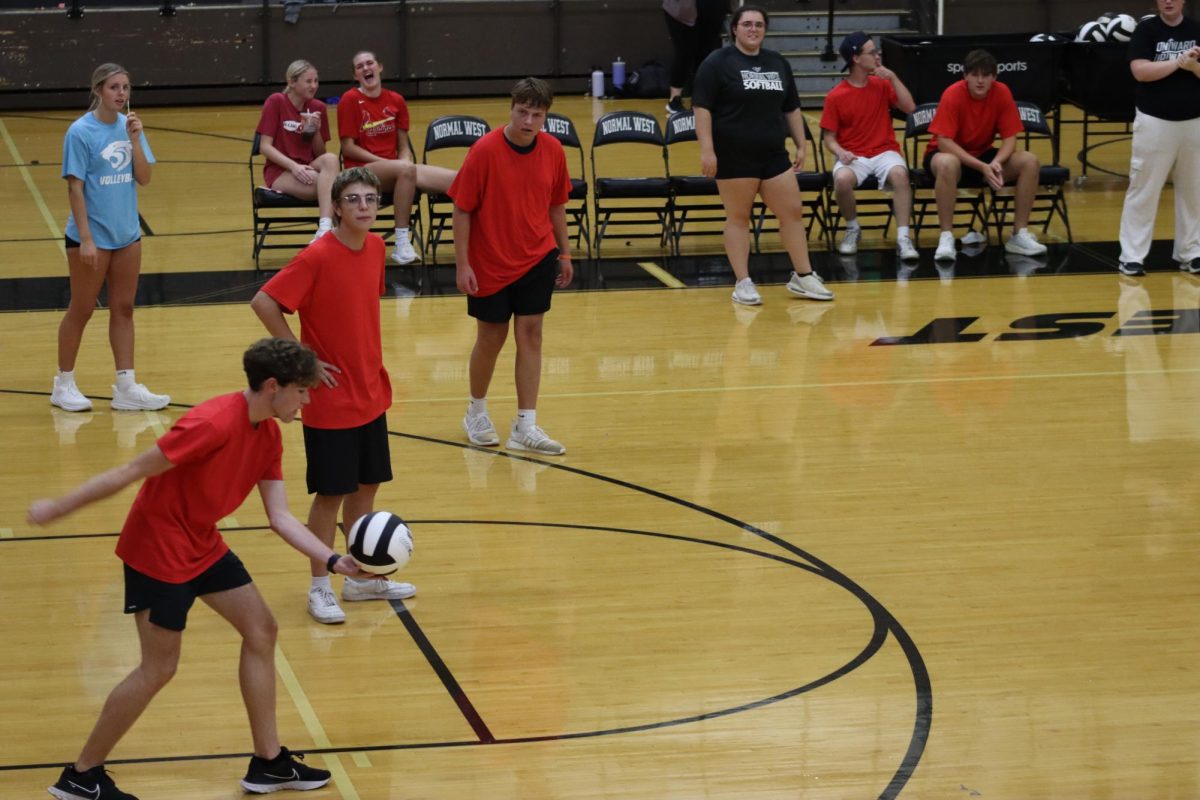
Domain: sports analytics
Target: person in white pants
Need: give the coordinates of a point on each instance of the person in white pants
(1163, 56)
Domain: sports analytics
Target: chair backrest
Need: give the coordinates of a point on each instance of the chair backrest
(681, 127)
(1032, 118)
(454, 130)
(916, 129)
(627, 127)
(563, 129)
(254, 147)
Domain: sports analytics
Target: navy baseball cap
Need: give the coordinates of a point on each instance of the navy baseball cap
(851, 46)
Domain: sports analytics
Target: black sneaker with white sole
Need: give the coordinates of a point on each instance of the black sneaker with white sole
(1192, 266)
(285, 771)
(1130, 268)
(92, 784)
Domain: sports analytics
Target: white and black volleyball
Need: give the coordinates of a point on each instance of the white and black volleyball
(380, 542)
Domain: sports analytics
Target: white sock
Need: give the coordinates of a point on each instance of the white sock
(325, 224)
(477, 406)
(852, 225)
(66, 377)
(526, 418)
(401, 235)
(902, 231)
(321, 583)
(125, 379)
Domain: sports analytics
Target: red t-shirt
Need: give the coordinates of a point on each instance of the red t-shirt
(372, 122)
(974, 124)
(281, 121)
(217, 457)
(336, 291)
(858, 116)
(508, 195)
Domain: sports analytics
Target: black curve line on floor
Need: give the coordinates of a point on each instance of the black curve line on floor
(877, 640)
(453, 688)
(923, 685)
(923, 720)
(69, 120)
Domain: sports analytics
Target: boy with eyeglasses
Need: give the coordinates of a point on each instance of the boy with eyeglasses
(335, 284)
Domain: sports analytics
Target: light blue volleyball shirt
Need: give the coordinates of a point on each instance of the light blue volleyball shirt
(101, 156)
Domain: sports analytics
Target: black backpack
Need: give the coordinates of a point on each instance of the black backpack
(652, 79)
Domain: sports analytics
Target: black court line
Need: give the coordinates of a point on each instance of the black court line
(885, 623)
(447, 678)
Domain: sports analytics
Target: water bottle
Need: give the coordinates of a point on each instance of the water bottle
(597, 83)
(618, 73)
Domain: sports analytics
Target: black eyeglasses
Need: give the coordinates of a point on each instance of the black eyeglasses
(356, 199)
(752, 24)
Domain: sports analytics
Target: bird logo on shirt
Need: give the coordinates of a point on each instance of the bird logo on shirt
(118, 154)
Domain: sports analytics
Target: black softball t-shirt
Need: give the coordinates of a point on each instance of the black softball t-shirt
(747, 97)
(1177, 96)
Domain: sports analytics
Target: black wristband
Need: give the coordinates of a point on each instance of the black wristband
(333, 559)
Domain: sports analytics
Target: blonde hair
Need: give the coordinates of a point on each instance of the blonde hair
(296, 69)
(100, 76)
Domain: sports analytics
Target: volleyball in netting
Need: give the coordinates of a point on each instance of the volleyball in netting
(380, 542)
(1091, 32)
(1120, 28)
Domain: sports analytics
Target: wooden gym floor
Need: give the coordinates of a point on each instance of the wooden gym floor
(935, 539)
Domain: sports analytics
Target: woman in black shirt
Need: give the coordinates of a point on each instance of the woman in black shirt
(1163, 55)
(746, 105)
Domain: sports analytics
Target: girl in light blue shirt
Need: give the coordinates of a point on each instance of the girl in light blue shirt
(105, 156)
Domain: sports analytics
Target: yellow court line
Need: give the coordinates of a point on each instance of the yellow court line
(664, 277)
(758, 387)
(228, 522)
(360, 760)
(311, 722)
(33, 190)
(6, 533)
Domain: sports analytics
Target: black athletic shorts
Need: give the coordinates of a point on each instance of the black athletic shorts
(986, 157)
(733, 163)
(169, 603)
(342, 459)
(526, 296)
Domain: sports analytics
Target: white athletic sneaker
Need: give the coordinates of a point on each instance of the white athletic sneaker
(66, 395)
(380, 588)
(480, 430)
(139, 398)
(945, 249)
(403, 253)
(849, 245)
(809, 286)
(906, 250)
(973, 237)
(1024, 243)
(1192, 266)
(745, 293)
(533, 440)
(321, 231)
(323, 606)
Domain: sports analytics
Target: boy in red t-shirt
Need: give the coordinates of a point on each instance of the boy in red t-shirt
(335, 285)
(858, 131)
(373, 128)
(970, 115)
(510, 228)
(199, 472)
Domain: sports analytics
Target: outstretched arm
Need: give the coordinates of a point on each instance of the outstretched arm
(151, 462)
(274, 497)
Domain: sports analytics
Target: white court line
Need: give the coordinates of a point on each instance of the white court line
(33, 190)
(824, 385)
(313, 724)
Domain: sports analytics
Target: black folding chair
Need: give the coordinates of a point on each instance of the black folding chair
(1050, 198)
(814, 183)
(971, 198)
(694, 198)
(455, 132)
(631, 204)
(578, 219)
(287, 221)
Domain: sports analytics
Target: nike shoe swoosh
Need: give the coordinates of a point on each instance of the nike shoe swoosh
(294, 776)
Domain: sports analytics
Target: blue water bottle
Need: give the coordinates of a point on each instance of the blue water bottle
(618, 73)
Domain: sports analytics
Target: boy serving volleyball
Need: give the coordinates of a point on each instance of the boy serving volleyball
(198, 472)
(334, 284)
